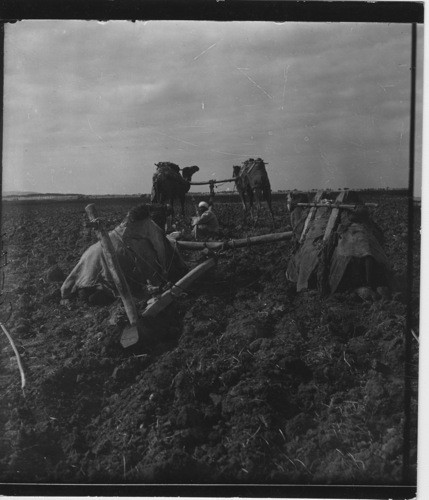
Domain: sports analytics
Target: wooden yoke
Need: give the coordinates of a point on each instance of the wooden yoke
(205, 183)
(113, 265)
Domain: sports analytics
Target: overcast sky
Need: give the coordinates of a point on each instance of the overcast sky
(89, 107)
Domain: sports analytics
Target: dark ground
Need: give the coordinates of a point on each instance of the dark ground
(249, 383)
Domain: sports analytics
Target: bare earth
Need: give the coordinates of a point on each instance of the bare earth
(249, 382)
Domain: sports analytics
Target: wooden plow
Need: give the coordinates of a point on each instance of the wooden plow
(137, 330)
(335, 206)
(156, 305)
(317, 249)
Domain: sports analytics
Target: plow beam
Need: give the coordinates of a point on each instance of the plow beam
(156, 305)
(135, 328)
(337, 205)
(160, 303)
(230, 244)
(113, 264)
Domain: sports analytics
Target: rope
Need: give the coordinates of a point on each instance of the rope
(172, 256)
(138, 257)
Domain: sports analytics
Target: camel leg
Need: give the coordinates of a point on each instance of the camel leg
(212, 193)
(369, 271)
(256, 205)
(268, 198)
(182, 203)
(243, 201)
(272, 215)
(252, 208)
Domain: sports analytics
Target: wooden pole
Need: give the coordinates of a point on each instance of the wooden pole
(406, 472)
(113, 265)
(230, 244)
(335, 204)
(210, 181)
(167, 297)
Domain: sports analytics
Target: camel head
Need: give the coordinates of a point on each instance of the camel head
(188, 172)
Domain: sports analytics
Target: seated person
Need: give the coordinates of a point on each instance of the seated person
(206, 224)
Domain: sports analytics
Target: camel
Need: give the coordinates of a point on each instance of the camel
(168, 184)
(251, 180)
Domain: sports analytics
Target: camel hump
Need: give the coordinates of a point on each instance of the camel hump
(167, 166)
(167, 171)
(252, 166)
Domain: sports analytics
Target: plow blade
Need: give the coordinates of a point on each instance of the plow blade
(130, 335)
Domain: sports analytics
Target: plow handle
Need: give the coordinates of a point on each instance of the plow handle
(113, 265)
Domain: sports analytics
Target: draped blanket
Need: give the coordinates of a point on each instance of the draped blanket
(144, 254)
(254, 174)
(356, 240)
(339, 258)
(305, 260)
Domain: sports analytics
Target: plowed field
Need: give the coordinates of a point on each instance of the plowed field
(249, 382)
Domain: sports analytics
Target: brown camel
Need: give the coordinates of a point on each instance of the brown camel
(251, 180)
(168, 184)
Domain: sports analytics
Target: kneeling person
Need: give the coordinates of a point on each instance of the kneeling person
(206, 224)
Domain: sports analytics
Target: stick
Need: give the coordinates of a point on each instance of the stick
(113, 265)
(167, 297)
(208, 182)
(243, 242)
(336, 205)
(18, 357)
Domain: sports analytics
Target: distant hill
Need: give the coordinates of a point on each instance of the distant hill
(31, 196)
(19, 193)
